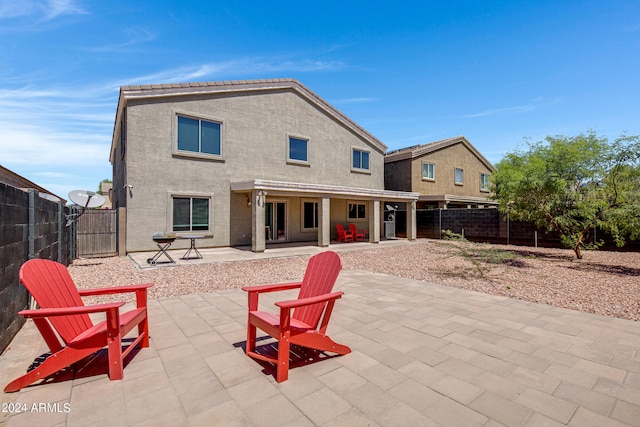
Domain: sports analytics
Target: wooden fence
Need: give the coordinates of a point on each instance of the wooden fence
(97, 233)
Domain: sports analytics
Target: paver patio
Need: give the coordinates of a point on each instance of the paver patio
(423, 354)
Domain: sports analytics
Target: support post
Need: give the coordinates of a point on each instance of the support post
(258, 241)
(324, 222)
(412, 230)
(374, 221)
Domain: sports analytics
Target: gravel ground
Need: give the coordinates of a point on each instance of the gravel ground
(606, 283)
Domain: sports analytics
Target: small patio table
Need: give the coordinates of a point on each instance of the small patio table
(192, 247)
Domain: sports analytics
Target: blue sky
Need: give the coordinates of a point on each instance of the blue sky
(410, 72)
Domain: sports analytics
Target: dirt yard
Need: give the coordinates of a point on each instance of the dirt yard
(606, 283)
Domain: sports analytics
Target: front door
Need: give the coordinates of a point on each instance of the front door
(275, 221)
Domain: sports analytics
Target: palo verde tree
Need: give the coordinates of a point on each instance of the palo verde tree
(573, 184)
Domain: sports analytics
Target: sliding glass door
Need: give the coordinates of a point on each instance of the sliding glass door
(275, 217)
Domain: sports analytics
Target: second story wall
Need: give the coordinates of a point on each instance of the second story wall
(451, 166)
(255, 130)
(445, 162)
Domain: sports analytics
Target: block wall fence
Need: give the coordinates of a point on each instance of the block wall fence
(30, 227)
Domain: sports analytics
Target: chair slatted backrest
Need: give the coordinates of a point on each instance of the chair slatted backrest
(51, 286)
(322, 272)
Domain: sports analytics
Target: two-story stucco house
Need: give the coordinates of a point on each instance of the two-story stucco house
(447, 174)
(244, 163)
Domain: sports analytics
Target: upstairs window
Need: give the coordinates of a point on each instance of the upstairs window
(484, 182)
(190, 214)
(298, 150)
(199, 136)
(360, 159)
(459, 177)
(429, 171)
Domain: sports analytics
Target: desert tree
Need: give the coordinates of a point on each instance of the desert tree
(573, 184)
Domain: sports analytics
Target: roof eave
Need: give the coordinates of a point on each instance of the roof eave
(431, 147)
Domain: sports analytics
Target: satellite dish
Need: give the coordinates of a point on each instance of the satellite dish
(86, 199)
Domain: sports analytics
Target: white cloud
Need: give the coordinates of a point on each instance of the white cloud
(134, 37)
(534, 104)
(14, 9)
(39, 147)
(235, 67)
(57, 137)
(499, 111)
(32, 15)
(54, 8)
(354, 100)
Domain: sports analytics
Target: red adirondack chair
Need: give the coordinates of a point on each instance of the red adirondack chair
(62, 313)
(358, 235)
(312, 310)
(344, 235)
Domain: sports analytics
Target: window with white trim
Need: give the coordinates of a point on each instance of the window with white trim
(190, 213)
(357, 211)
(459, 176)
(298, 150)
(428, 171)
(484, 182)
(360, 159)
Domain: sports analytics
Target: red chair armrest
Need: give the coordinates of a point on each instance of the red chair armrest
(308, 301)
(114, 290)
(66, 311)
(272, 288)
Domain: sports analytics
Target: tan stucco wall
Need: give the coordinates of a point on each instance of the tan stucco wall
(446, 161)
(255, 130)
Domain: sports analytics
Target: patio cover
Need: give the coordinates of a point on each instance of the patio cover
(259, 189)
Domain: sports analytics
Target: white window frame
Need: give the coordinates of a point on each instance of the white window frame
(297, 161)
(482, 186)
(455, 176)
(172, 195)
(356, 169)
(433, 170)
(194, 154)
(357, 203)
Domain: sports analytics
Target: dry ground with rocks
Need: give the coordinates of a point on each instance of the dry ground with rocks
(606, 283)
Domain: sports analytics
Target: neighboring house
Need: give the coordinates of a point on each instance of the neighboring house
(448, 174)
(244, 163)
(105, 190)
(13, 179)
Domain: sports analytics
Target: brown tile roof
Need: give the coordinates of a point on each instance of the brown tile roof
(423, 149)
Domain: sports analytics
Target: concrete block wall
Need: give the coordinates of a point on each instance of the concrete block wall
(50, 240)
(14, 224)
(476, 224)
(488, 225)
